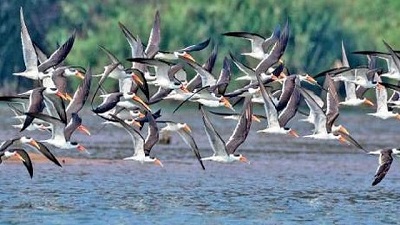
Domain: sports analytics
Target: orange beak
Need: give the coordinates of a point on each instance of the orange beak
(68, 97)
(80, 75)
(368, 102)
(255, 118)
(81, 148)
(84, 129)
(34, 144)
(293, 133)
(137, 79)
(227, 104)
(310, 79)
(19, 157)
(187, 128)
(61, 95)
(244, 159)
(342, 139)
(136, 98)
(184, 89)
(158, 163)
(344, 130)
(188, 56)
(136, 123)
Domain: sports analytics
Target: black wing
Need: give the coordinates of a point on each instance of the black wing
(108, 103)
(224, 77)
(159, 95)
(153, 45)
(59, 80)
(276, 52)
(269, 42)
(81, 94)
(332, 104)
(395, 57)
(209, 64)
(36, 105)
(189, 140)
(291, 108)
(386, 160)
(27, 160)
(153, 134)
(287, 90)
(46, 152)
(73, 124)
(59, 55)
(55, 103)
(8, 143)
(242, 128)
(196, 47)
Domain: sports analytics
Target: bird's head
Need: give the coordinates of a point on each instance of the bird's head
(74, 72)
(157, 161)
(29, 141)
(241, 158)
(78, 146)
(224, 101)
(186, 56)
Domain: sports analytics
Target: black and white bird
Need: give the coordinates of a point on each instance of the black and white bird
(225, 152)
(184, 132)
(260, 46)
(61, 132)
(21, 154)
(141, 146)
(29, 141)
(385, 161)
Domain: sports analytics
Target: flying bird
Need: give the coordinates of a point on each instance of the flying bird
(385, 161)
(225, 152)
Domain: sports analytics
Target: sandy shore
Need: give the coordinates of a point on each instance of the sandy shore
(39, 158)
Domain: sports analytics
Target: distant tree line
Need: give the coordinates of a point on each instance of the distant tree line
(317, 28)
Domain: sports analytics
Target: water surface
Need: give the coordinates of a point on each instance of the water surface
(288, 181)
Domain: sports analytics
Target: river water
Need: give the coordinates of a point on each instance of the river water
(289, 180)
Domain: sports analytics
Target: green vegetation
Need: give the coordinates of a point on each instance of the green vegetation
(317, 28)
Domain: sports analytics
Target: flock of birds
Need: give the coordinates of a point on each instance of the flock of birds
(49, 107)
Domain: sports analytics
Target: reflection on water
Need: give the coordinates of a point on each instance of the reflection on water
(288, 181)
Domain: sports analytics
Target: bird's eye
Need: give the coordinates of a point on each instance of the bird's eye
(74, 143)
(53, 89)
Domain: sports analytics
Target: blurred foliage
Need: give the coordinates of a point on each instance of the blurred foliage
(10, 27)
(316, 28)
